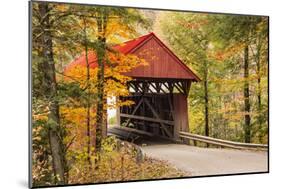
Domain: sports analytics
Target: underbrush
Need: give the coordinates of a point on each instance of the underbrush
(119, 161)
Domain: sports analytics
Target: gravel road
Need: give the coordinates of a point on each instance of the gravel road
(208, 161)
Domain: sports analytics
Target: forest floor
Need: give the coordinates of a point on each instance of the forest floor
(208, 161)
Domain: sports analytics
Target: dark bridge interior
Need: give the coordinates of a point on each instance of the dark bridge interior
(160, 107)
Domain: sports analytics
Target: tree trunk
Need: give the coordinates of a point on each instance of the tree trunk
(88, 95)
(100, 94)
(101, 49)
(259, 88)
(206, 98)
(102, 24)
(49, 86)
(247, 126)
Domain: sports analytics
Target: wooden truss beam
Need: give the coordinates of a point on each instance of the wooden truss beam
(159, 87)
(156, 120)
(179, 88)
(134, 111)
(157, 117)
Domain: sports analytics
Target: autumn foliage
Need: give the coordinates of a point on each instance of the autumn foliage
(76, 68)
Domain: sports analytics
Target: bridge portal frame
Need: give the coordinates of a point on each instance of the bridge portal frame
(160, 107)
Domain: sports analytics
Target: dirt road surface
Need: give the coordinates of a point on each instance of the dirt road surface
(208, 161)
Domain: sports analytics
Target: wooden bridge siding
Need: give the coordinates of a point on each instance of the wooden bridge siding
(162, 64)
(181, 114)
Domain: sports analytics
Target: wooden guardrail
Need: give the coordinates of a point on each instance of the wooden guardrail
(222, 143)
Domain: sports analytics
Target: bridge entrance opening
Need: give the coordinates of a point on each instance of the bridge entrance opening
(160, 107)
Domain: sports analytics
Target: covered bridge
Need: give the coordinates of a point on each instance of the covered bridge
(159, 89)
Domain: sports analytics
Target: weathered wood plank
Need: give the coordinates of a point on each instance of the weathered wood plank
(147, 119)
(135, 131)
(180, 113)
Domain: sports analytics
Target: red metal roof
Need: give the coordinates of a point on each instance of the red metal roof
(166, 65)
(81, 60)
(128, 46)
